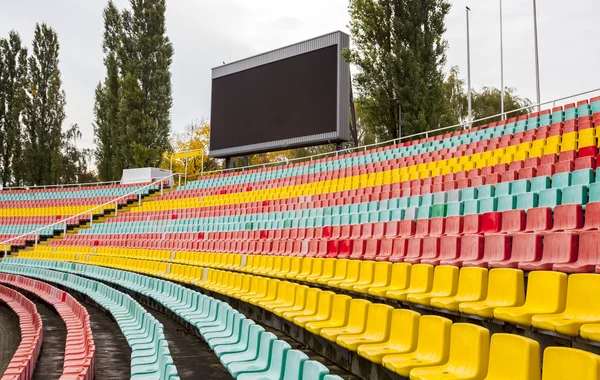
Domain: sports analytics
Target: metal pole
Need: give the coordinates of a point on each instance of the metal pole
(501, 66)
(116, 209)
(469, 68)
(537, 58)
(202, 165)
(399, 121)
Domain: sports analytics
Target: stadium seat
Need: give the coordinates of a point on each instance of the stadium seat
(421, 281)
(402, 337)
(445, 283)
(472, 287)
(546, 294)
(468, 355)
(433, 346)
(355, 323)
(582, 307)
(513, 357)
(569, 363)
(399, 280)
(376, 330)
(505, 288)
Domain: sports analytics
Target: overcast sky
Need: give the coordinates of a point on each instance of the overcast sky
(207, 32)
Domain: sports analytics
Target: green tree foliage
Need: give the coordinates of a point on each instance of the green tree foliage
(109, 134)
(135, 99)
(400, 52)
(13, 98)
(487, 103)
(45, 111)
(75, 161)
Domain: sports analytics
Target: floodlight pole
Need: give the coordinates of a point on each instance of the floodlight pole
(537, 58)
(501, 66)
(469, 68)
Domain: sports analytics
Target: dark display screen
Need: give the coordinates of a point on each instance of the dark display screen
(293, 97)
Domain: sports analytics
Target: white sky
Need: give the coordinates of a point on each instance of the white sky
(207, 32)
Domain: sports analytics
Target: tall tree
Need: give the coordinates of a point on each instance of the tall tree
(146, 98)
(45, 110)
(487, 103)
(13, 79)
(400, 52)
(109, 135)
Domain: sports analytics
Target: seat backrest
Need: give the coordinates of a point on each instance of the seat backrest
(379, 321)
(404, 328)
(421, 277)
(472, 283)
(358, 314)
(506, 285)
(434, 337)
(294, 362)
(560, 247)
(313, 370)
(538, 219)
(366, 272)
(582, 295)
(471, 247)
(547, 290)
(401, 274)
(469, 349)
(570, 363)
(514, 357)
(445, 279)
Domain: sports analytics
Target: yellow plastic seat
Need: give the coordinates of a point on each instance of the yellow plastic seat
(316, 269)
(365, 276)
(546, 294)
(295, 268)
(513, 357)
(309, 306)
(582, 307)
(377, 329)
(356, 324)
(283, 270)
(275, 265)
(445, 283)
(381, 277)
(402, 339)
(322, 313)
(468, 358)
(562, 363)
(472, 286)
(399, 279)
(299, 302)
(327, 272)
(505, 288)
(305, 269)
(350, 276)
(339, 273)
(237, 285)
(286, 291)
(260, 292)
(269, 295)
(421, 280)
(338, 317)
(433, 346)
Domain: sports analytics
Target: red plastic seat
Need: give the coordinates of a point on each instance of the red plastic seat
(538, 219)
(398, 250)
(358, 249)
(378, 230)
(406, 228)
(527, 173)
(372, 249)
(545, 170)
(454, 225)
(569, 155)
(525, 248)
(414, 248)
(588, 256)
(513, 221)
(585, 163)
(496, 248)
(559, 247)
(549, 159)
(564, 167)
(587, 151)
(491, 222)
(472, 224)
(345, 248)
(386, 247)
(422, 227)
(437, 226)
(391, 229)
(592, 216)
(568, 217)
(449, 249)
(532, 162)
(471, 248)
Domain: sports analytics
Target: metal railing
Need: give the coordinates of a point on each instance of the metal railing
(61, 186)
(90, 212)
(464, 125)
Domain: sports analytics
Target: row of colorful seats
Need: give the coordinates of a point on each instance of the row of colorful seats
(23, 361)
(150, 358)
(79, 354)
(245, 348)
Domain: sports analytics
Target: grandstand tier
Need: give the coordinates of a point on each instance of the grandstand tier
(468, 255)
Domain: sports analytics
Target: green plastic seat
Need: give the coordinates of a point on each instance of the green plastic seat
(582, 177)
(575, 195)
(488, 205)
(503, 188)
(594, 192)
(469, 194)
(275, 365)
(471, 207)
(526, 201)
(313, 370)
(455, 209)
(253, 361)
(438, 211)
(424, 212)
(540, 183)
(508, 202)
(549, 198)
(520, 187)
(244, 351)
(561, 180)
(294, 363)
(486, 191)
